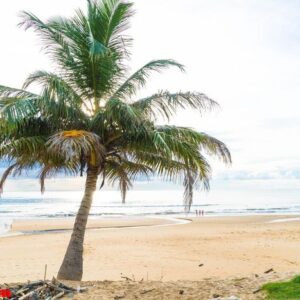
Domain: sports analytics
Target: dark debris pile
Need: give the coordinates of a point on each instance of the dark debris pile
(38, 290)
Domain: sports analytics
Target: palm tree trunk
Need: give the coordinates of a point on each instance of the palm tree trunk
(72, 265)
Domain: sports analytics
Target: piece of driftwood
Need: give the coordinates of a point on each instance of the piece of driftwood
(257, 291)
(22, 290)
(269, 271)
(45, 272)
(61, 285)
(146, 291)
(126, 278)
(58, 295)
(117, 297)
(26, 296)
(57, 287)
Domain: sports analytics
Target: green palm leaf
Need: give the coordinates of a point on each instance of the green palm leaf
(166, 104)
(139, 79)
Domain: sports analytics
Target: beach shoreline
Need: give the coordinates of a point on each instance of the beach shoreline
(157, 249)
(62, 225)
(35, 226)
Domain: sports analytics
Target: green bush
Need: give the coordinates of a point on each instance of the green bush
(289, 290)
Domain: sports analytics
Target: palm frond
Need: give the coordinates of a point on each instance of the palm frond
(16, 104)
(71, 144)
(23, 148)
(57, 86)
(6, 173)
(166, 104)
(139, 79)
(122, 114)
(9, 92)
(51, 168)
(189, 180)
(113, 17)
(54, 42)
(115, 172)
(58, 98)
(124, 171)
(43, 176)
(215, 148)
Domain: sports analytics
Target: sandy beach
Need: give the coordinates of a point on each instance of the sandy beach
(207, 248)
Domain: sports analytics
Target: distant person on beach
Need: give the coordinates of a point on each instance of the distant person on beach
(199, 212)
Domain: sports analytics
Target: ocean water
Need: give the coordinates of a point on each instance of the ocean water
(225, 198)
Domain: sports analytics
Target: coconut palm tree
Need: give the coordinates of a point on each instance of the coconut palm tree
(87, 118)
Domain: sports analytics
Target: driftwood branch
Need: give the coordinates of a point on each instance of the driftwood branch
(32, 293)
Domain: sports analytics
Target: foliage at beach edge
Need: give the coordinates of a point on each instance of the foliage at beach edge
(283, 290)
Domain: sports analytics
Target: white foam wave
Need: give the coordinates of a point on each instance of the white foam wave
(284, 220)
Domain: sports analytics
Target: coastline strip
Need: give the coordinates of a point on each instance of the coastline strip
(172, 221)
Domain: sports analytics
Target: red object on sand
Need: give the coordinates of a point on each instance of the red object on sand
(5, 293)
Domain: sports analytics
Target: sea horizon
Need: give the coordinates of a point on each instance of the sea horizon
(226, 198)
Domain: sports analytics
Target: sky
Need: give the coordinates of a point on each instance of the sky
(245, 54)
